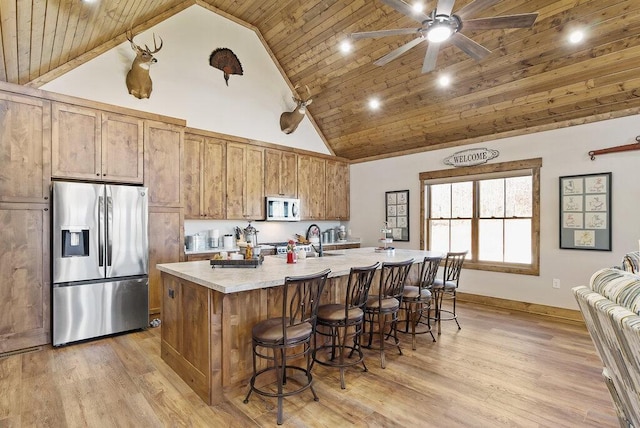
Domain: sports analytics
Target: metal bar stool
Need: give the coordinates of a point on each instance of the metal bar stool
(287, 338)
(344, 321)
(383, 307)
(446, 288)
(417, 298)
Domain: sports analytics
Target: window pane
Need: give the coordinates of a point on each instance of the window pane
(439, 235)
(440, 201)
(518, 194)
(491, 245)
(492, 198)
(517, 241)
(462, 200)
(461, 236)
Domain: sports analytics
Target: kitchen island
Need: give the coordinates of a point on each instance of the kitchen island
(208, 313)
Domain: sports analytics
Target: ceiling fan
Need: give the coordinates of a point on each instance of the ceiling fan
(441, 26)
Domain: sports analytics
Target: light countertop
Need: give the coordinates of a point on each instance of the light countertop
(274, 269)
(264, 247)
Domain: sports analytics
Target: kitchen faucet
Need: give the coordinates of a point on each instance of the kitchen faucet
(319, 238)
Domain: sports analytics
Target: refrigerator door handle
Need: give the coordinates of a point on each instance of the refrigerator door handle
(109, 229)
(100, 231)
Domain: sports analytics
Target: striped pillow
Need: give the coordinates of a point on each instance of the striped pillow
(631, 262)
(618, 286)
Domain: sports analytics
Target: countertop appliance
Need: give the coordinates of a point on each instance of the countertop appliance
(282, 209)
(100, 260)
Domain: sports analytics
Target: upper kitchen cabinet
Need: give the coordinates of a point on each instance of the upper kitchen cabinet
(25, 149)
(204, 177)
(245, 185)
(337, 190)
(280, 173)
(163, 163)
(311, 187)
(89, 144)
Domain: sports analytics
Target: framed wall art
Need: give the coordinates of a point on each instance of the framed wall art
(397, 207)
(585, 212)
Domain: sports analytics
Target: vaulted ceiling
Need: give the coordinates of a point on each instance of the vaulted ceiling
(533, 80)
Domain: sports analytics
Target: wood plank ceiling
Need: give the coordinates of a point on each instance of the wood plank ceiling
(532, 80)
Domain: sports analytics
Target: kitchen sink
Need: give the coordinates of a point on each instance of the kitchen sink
(312, 255)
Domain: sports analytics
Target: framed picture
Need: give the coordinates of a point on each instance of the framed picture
(397, 214)
(585, 212)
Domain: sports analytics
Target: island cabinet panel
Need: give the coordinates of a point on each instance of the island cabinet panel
(25, 276)
(245, 181)
(25, 149)
(337, 190)
(311, 187)
(204, 177)
(280, 173)
(163, 163)
(89, 144)
(165, 246)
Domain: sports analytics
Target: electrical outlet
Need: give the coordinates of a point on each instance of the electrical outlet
(556, 283)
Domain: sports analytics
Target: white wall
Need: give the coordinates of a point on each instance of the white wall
(564, 152)
(187, 87)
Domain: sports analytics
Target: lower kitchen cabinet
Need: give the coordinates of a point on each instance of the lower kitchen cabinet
(165, 246)
(25, 285)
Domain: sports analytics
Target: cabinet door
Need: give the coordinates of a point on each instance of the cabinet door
(254, 179)
(75, 142)
(122, 148)
(24, 268)
(289, 175)
(25, 149)
(280, 173)
(163, 163)
(311, 187)
(165, 246)
(236, 165)
(191, 176)
(213, 179)
(272, 172)
(337, 190)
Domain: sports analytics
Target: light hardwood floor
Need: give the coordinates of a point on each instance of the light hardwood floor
(502, 369)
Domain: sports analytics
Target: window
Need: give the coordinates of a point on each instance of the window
(492, 211)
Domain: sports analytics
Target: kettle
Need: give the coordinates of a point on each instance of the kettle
(250, 235)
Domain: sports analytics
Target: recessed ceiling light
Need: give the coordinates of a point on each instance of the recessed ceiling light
(444, 81)
(345, 46)
(576, 36)
(418, 7)
(374, 104)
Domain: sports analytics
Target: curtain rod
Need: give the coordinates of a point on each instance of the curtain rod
(625, 148)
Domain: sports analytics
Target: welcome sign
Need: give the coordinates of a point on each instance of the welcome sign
(471, 157)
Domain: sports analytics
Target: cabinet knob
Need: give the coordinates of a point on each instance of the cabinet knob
(46, 198)
(46, 209)
(98, 174)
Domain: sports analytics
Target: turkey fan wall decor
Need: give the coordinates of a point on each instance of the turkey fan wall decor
(442, 26)
(224, 59)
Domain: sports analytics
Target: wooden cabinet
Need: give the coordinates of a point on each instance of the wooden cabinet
(165, 246)
(163, 163)
(337, 190)
(244, 183)
(89, 144)
(311, 187)
(204, 177)
(26, 276)
(280, 173)
(25, 149)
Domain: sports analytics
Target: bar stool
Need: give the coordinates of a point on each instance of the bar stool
(273, 337)
(344, 321)
(446, 288)
(417, 298)
(383, 307)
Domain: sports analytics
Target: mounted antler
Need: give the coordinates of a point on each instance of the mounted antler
(289, 120)
(138, 79)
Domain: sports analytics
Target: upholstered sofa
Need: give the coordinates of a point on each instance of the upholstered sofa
(610, 306)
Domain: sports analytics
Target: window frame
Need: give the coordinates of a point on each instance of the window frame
(474, 173)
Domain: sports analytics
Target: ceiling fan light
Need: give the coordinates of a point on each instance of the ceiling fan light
(439, 33)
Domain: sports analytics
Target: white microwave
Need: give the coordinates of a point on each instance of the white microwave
(282, 209)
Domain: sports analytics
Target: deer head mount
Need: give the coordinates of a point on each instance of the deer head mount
(289, 120)
(138, 80)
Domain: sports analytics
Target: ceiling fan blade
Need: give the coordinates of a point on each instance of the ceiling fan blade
(524, 20)
(468, 46)
(405, 9)
(474, 7)
(445, 7)
(399, 51)
(430, 57)
(383, 33)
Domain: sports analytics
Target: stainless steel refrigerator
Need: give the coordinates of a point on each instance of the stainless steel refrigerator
(100, 260)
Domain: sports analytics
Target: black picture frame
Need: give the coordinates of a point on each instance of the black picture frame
(397, 214)
(585, 212)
